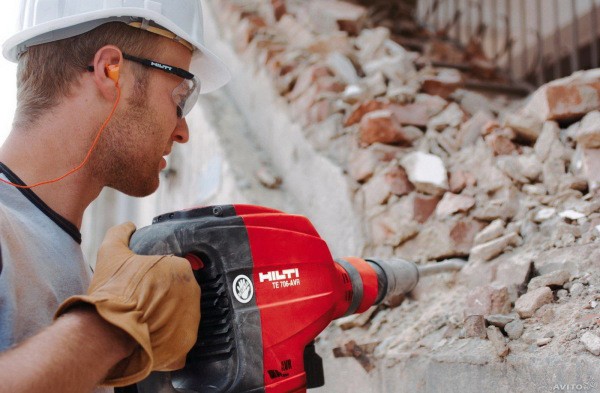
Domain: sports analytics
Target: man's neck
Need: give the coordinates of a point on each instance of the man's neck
(41, 155)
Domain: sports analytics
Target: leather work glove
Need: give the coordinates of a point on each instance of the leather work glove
(155, 299)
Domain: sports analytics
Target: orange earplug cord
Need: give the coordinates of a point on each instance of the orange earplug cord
(89, 153)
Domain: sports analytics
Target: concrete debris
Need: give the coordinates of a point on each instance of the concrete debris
(499, 320)
(588, 132)
(493, 231)
(474, 326)
(498, 341)
(528, 303)
(493, 248)
(555, 279)
(438, 171)
(514, 330)
(381, 126)
(567, 98)
(591, 342)
(488, 300)
(426, 172)
(527, 127)
(453, 203)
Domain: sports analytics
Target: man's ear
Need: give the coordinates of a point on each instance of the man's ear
(107, 64)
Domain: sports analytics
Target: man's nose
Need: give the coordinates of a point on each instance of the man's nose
(181, 134)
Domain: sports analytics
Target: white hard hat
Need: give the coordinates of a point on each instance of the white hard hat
(43, 21)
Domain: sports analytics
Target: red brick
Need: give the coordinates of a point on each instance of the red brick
(424, 206)
(279, 8)
(381, 126)
(568, 98)
(463, 235)
(364, 108)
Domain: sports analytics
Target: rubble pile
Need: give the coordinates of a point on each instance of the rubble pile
(441, 172)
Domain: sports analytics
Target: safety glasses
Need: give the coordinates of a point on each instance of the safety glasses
(185, 94)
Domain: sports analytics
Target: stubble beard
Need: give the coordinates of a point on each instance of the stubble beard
(123, 159)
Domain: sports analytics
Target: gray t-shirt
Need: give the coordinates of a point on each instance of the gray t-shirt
(41, 263)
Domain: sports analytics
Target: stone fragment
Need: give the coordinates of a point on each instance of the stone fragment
(553, 172)
(375, 84)
(471, 130)
(591, 342)
(452, 116)
(306, 79)
(411, 114)
(331, 15)
(426, 171)
(475, 326)
(571, 214)
(395, 67)
(388, 230)
(460, 179)
(424, 206)
(434, 104)
(591, 168)
(341, 66)
(462, 235)
(568, 98)
(534, 189)
(444, 83)
(362, 164)
(500, 144)
(499, 320)
(588, 133)
(514, 329)
(528, 303)
(544, 214)
(554, 279)
(487, 300)
(493, 231)
(493, 248)
(376, 191)
(540, 342)
(381, 126)
(527, 127)
(548, 137)
(453, 203)
(474, 103)
(576, 289)
(364, 108)
(297, 34)
(397, 180)
(498, 341)
(504, 205)
(371, 43)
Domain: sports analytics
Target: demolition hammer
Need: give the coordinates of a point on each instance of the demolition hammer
(269, 287)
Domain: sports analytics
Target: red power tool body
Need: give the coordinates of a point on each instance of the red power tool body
(269, 287)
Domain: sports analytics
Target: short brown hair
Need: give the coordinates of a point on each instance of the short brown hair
(47, 72)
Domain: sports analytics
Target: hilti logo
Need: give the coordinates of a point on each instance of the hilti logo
(164, 67)
(277, 275)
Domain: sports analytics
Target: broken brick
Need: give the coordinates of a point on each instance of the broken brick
(424, 206)
(381, 126)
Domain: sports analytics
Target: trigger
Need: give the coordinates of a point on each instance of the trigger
(195, 261)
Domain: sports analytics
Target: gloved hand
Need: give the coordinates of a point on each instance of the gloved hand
(155, 299)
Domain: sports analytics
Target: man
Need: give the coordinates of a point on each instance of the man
(103, 90)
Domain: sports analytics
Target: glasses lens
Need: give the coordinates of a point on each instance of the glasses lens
(185, 96)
